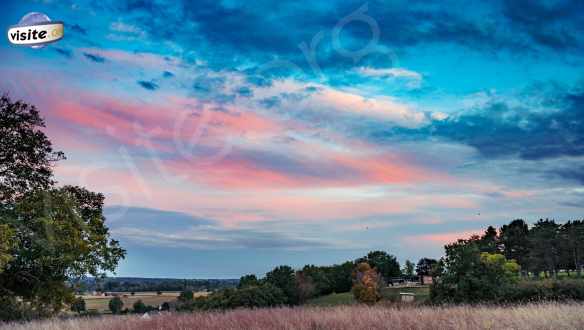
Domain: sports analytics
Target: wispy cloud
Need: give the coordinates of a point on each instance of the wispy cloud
(94, 57)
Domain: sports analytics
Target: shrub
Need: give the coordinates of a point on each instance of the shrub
(366, 284)
(265, 295)
(545, 290)
(115, 305)
(139, 307)
(78, 305)
(186, 295)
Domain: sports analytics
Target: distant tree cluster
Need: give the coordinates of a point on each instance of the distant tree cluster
(497, 265)
(155, 285)
(544, 248)
(285, 286)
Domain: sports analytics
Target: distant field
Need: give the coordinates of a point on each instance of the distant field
(392, 294)
(422, 293)
(539, 316)
(101, 303)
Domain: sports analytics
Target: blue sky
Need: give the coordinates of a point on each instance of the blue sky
(230, 136)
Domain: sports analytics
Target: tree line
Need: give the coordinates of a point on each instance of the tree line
(285, 286)
(516, 263)
(542, 249)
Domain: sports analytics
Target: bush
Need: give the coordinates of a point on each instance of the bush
(11, 309)
(139, 307)
(265, 295)
(115, 305)
(78, 305)
(186, 296)
(545, 290)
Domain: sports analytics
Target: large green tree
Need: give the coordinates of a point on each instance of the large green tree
(425, 266)
(49, 235)
(340, 276)
(26, 154)
(386, 264)
(544, 247)
(571, 237)
(468, 275)
(514, 239)
(247, 281)
(282, 277)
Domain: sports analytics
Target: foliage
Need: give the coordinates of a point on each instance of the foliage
(489, 241)
(514, 241)
(60, 234)
(131, 284)
(545, 290)
(333, 299)
(319, 278)
(48, 235)
(366, 284)
(468, 275)
(248, 280)
(409, 268)
(139, 307)
(572, 245)
(282, 277)
(186, 295)
(264, 295)
(305, 287)
(544, 246)
(425, 266)
(339, 277)
(115, 305)
(78, 305)
(6, 245)
(386, 264)
(26, 154)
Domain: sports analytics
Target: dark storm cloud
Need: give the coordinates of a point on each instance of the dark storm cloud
(499, 129)
(554, 24)
(574, 174)
(218, 29)
(149, 85)
(94, 57)
(167, 74)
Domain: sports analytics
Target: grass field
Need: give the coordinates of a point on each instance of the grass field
(422, 294)
(101, 303)
(539, 316)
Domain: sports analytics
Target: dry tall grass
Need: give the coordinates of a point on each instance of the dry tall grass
(540, 316)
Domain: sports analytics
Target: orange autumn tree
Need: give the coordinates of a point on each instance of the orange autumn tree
(366, 284)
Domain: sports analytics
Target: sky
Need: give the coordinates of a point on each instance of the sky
(230, 137)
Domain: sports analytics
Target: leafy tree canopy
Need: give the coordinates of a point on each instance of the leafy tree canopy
(49, 235)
